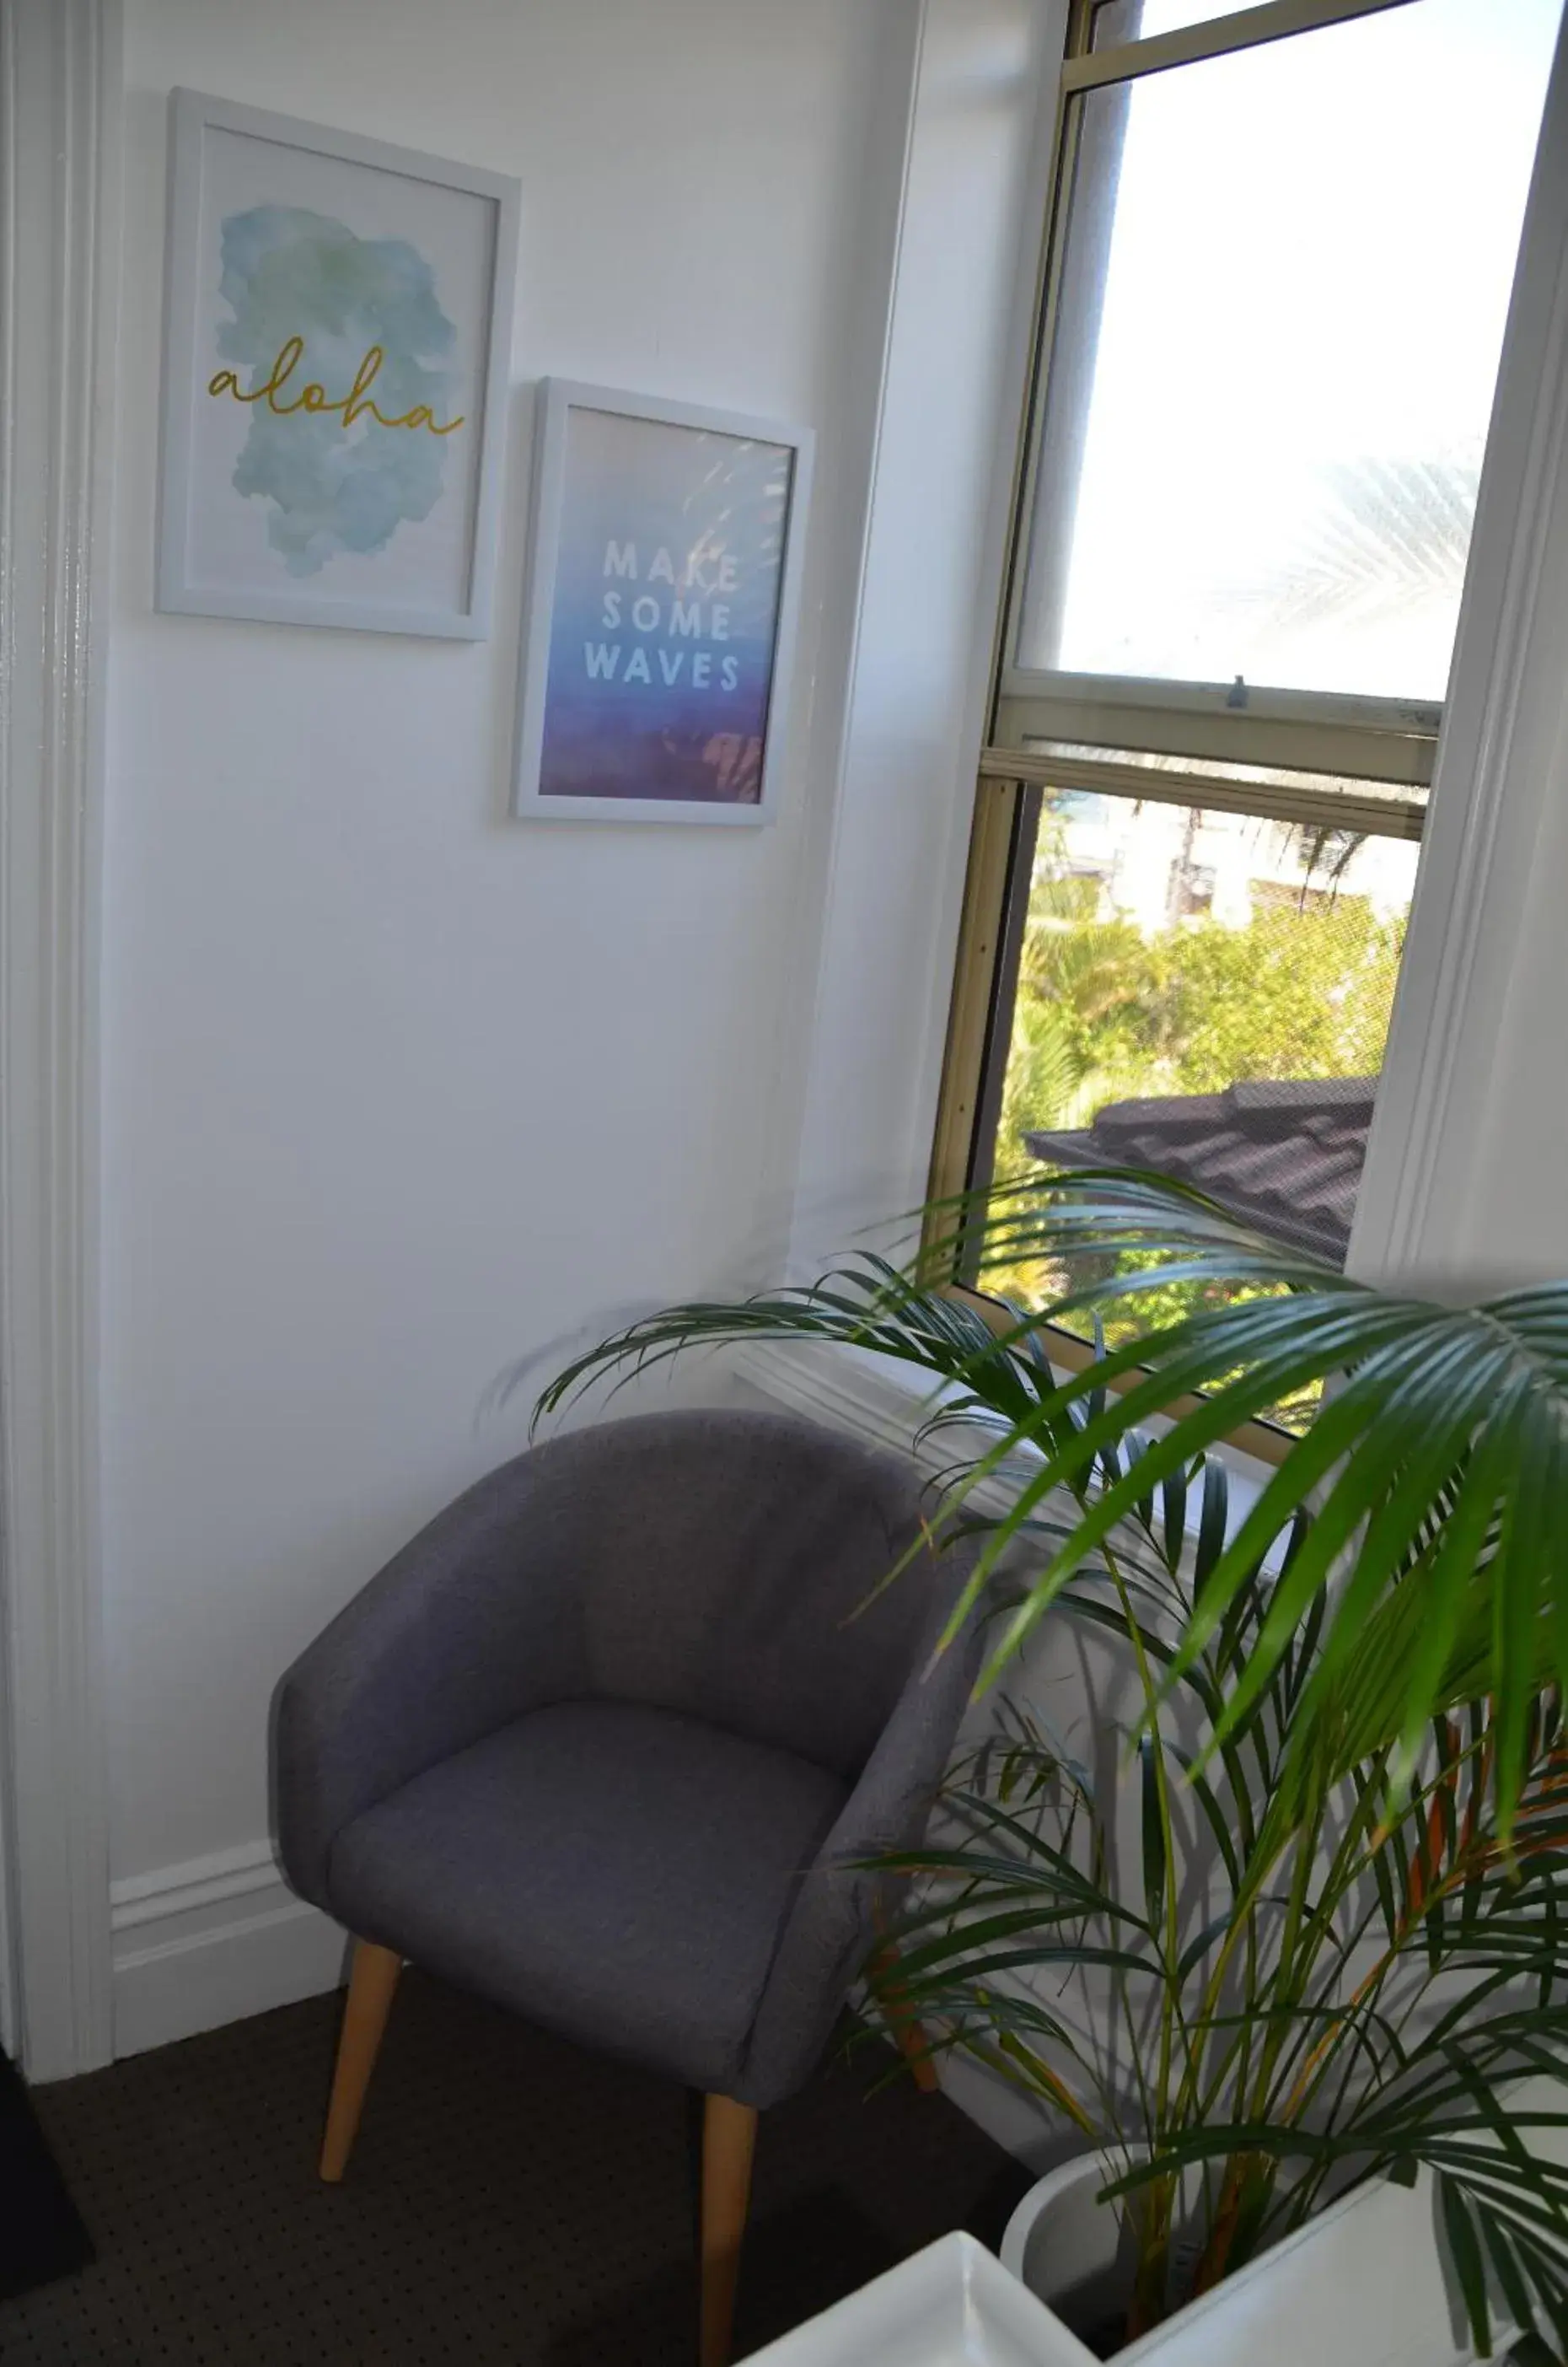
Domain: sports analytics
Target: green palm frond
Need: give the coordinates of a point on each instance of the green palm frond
(1437, 1471)
(1290, 2008)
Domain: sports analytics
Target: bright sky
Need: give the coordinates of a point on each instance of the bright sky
(1314, 249)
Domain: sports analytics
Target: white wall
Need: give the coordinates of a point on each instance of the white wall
(951, 398)
(398, 1090)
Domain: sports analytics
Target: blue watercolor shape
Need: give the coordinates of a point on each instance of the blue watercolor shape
(330, 488)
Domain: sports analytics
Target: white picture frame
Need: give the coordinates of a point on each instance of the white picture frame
(660, 627)
(364, 506)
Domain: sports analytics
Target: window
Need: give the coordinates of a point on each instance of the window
(1278, 266)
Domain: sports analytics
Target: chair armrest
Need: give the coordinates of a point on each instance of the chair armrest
(473, 1624)
(831, 1928)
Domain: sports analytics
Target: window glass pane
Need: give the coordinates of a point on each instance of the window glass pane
(1208, 994)
(1280, 311)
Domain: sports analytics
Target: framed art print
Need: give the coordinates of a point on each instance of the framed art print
(337, 357)
(664, 585)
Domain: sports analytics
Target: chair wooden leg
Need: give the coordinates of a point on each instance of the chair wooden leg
(912, 2042)
(729, 2136)
(371, 1981)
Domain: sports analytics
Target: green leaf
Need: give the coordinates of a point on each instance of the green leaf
(1505, 2265)
(1201, 1945)
(1154, 1835)
(1173, 1507)
(1464, 2251)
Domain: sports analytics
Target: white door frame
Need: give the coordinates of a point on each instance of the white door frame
(60, 99)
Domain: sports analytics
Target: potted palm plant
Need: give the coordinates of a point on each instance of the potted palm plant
(1241, 2024)
(1307, 1933)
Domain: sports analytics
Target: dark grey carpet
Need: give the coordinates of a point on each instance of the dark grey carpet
(511, 2199)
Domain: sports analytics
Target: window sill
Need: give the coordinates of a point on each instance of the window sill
(1258, 1446)
(876, 1398)
(869, 1395)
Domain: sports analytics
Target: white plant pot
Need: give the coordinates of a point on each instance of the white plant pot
(1363, 2284)
(1071, 2249)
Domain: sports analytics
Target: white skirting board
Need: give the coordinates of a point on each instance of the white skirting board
(210, 1941)
(220, 1937)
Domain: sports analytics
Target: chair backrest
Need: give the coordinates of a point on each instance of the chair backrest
(719, 1560)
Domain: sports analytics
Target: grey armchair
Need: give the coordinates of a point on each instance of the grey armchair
(605, 1744)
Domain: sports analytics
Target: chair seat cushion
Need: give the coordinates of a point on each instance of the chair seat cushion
(616, 1873)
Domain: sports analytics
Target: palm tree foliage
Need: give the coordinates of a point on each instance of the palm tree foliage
(1437, 1469)
(1254, 2012)
(1348, 1696)
(1389, 534)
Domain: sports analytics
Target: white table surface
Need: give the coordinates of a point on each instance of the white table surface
(952, 2306)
